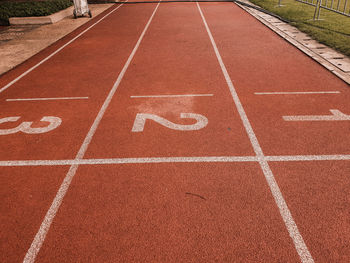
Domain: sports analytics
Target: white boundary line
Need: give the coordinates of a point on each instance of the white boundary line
(172, 96)
(205, 159)
(58, 98)
(292, 228)
(130, 161)
(50, 215)
(297, 158)
(296, 92)
(58, 50)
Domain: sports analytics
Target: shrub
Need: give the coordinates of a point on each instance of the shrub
(35, 8)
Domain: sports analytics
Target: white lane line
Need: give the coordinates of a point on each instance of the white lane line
(58, 50)
(172, 160)
(45, 225)
(36, 163)
(209, 159)
(58, 98)
(234, 94)
(205, 159)
(172, 96)
(296, 92)
(291, 226)
(293, 158)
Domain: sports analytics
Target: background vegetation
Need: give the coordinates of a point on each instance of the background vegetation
(332, 30)
(31, 8)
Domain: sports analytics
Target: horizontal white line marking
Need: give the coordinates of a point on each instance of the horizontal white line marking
(172, 96)
(224, 159)
(296, 92)
(130, 161)
(288, 158)
(172, 160)
(37, 162)
(59, 98)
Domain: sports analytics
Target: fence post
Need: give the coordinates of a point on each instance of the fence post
(317, 10)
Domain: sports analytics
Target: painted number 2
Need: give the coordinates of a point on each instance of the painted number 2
(140, 121)
(25, 127)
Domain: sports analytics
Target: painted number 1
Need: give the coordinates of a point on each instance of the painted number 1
(25, 126)
(337, 115)
(140, 121)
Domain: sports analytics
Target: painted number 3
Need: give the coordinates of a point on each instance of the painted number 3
(25, 127)
(140, 121)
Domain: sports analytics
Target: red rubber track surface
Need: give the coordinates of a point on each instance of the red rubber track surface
(141, 213)
(173, 59)
(259, 61)
(175, 212)
(317, 194)
(26, 193)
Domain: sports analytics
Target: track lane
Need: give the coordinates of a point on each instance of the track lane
(260, 61)
(175, 58)
(14, 73)
(319, 137)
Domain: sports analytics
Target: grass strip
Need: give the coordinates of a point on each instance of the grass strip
(332, 29)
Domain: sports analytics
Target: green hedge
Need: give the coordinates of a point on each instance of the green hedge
(23, 9)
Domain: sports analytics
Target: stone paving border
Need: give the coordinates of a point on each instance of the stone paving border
(19, 43)
(332, 60)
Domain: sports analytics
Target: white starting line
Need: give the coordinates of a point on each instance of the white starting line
(296, 93)
(209, 159)
(172, 96)
(41, 99)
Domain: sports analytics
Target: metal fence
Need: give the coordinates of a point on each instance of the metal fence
(338, 6)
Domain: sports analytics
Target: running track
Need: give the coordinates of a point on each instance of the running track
(174, 132)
